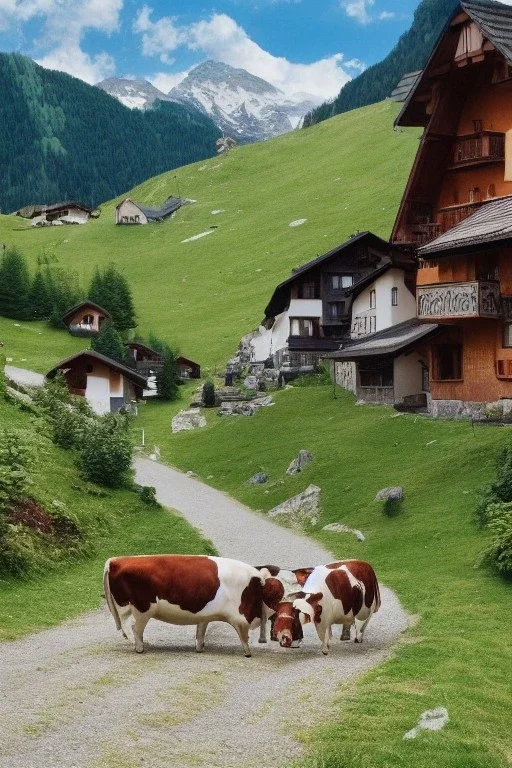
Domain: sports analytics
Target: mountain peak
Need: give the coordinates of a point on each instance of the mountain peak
(136, 94)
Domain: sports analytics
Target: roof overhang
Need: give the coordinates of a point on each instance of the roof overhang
(408, 335)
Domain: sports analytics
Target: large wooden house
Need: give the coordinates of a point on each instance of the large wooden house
(456, 213)
(310, 313)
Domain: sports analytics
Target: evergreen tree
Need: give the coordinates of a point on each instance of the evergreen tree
(97, 292)
(108, 342)
(14, 285)
(64, 291)
(168, 377)
(111, 291)
(39, 299)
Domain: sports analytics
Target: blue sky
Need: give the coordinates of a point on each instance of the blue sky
(313, 46)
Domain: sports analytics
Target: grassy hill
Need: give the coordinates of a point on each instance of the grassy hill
(342, 175)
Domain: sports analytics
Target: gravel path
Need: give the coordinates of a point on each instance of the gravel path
(77, 696)
(24, 377)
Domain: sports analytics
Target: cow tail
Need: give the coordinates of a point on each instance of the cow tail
(377, 594)
(108, 595)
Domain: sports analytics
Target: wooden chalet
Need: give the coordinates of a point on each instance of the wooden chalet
(106, 384)
(130, 212)
(69, 212)
(310, 313)
(456, 213)
(85, 319)
(148, 361)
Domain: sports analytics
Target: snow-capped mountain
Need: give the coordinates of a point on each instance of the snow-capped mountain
(138, 94)
(242, 105)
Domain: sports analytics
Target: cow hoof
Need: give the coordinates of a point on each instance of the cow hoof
(325, 651)
(357, 641)
(248, 655)
(139, 649)
(262, 641)
(199, 650)
(295, 644)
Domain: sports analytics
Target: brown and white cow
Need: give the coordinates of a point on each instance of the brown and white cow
(186, 589)
(346, 592)
(290, 584)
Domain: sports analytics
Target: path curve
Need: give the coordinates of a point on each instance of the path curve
(77, 696)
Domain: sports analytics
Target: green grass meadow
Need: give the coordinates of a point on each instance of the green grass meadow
(342, 175)
(459, 654)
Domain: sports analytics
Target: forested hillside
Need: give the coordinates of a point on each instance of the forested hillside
(64, 139)
(409, 54)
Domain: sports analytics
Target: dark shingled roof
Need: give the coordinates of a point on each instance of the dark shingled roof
(157, 214)
(137, 379)
(405, 86)
(491, 223)
(85, 304)
(389, 342)
(495, 21)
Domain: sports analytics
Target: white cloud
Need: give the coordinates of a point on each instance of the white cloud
(164, 81)
(65, 25)
(386, 15)
(222, 39)
(358, 9)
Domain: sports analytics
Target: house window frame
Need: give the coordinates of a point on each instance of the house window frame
(335, 305)
(373, 299)
(394, 296)
(301, 321)
(507, 330)
(308, 290)
(336, 281)
(456, 348)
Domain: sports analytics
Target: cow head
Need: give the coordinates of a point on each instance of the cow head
(308, 608)
(287, 628)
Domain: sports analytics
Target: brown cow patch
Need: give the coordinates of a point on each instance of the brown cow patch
(273, 593)
(189, 581)
(350, 597)
(250, 604)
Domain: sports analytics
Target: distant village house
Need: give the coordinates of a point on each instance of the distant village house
(148, 361)
(85, 319)
(130, 212)
(106, 384)
(59, 213)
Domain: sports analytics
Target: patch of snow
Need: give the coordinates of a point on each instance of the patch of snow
(215, 213)
(199, 236)
(297, 223)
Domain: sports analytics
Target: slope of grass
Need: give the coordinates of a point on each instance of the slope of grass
(343, 175)
(459, 655)
(35, 345)
(114, 524)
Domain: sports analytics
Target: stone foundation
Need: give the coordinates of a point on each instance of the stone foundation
(460, 409)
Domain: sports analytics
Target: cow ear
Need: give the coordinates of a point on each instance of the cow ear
(305, 609)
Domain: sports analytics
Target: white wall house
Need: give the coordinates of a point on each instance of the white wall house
(384, 302)
(128, 212)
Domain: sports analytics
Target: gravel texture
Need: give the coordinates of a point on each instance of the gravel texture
(24, 377)
(78, 696)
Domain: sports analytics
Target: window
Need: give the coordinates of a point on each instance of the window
(376, 374)
(373, 299)
(88, 320)
(336, 309)
(507, 335)
(307, 291)
(448, 362)
(394, 297)
(340, 282)
(302, 327)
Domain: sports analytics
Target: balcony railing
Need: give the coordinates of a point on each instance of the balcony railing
(477, 148)
(459, 300)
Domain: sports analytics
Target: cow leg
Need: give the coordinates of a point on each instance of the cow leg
(345, 632)
(243, 634)
(324, 633)
(263, 630)
(138, 627)
(360, 628)
(200, 633)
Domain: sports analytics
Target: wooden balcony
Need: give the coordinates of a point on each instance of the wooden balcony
(446, 301)
(478, 149)
(453, 214)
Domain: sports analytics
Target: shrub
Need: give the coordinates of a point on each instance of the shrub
(105, 453)
(147, 495)
(168, 377)
(209, 394)
(17, 459)
(501, 489)
(499, 551)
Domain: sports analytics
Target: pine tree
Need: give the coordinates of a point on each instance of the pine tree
(14, 286)
(111, 291)
(64, 291)
(167, 378)
(97, 291)
(40, 303)
(108, 342)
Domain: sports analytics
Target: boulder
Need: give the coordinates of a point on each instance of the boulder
(342, 528)
(300, 509)
(186, 420)
(303, 459)
(260, 478)
(237, 408)
(252, 382)
(263, 402)
(395, 493)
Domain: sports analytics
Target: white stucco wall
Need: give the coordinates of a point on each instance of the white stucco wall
(345, 375)
(268, 342)
(385, 314)
(129, 210)
(407, 372)
(76, 216)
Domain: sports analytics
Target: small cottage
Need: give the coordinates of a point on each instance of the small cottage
(59, 213)
(85, 319)
(188, 369)
(106, 384)
(130, 212)
(148, 361)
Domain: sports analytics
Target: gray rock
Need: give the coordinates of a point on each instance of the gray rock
(303, 459)
(187, 420)
(190, 473)
(300, 509)
(263, 402)
(252, 382)
(260, 478)
(431, 720)
(394, 493)
(236, 408)
(342, 528)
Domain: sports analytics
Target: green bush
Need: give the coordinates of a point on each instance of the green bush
(17, 459)
(209, 394)
(147, 495)
(499, 551)
(501, 489)
(105, 453)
